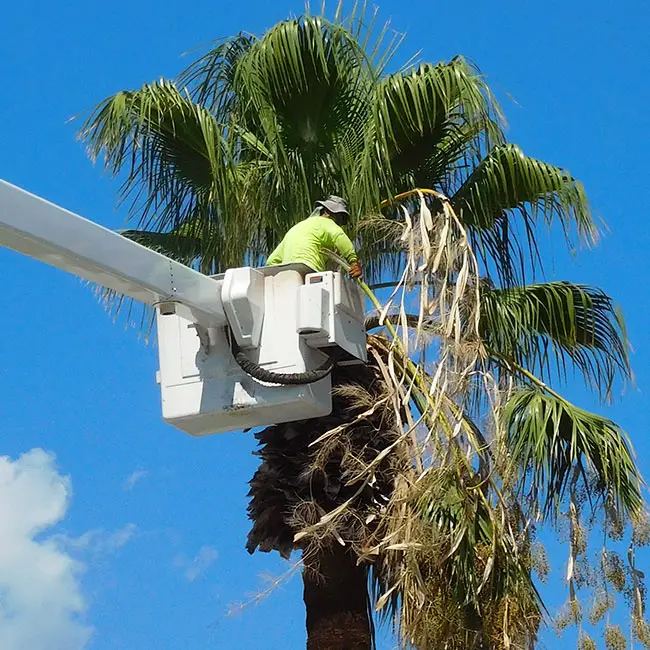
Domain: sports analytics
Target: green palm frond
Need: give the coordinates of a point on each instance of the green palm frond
(418, 110)
(540, 326)
(163, 129)
(555, 445)
(459, 152)
(432, 127)
(506, 182)
(306, 86)
(211, 78)
(307, 78)
(176, 163)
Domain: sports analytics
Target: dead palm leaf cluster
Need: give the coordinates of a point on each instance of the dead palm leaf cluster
(469, 453)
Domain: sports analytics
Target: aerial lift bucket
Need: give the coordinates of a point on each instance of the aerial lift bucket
(247, 348)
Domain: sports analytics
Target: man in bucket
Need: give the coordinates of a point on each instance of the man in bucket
(306, 242)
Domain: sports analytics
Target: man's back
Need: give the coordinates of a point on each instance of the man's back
(307, 240)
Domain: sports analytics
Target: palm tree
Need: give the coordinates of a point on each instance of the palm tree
(420, 495)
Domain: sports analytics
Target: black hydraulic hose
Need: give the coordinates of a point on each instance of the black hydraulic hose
(287, 379)
(298, 378)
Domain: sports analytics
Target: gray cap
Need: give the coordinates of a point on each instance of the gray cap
(334, 204)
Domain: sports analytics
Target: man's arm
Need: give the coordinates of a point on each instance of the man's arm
(345, 248)
(342, 244)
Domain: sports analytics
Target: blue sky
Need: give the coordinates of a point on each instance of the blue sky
(125, 534)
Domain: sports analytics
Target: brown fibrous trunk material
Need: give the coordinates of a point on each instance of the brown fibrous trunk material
(336, 599)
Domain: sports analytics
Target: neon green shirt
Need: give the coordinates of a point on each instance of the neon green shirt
(306, 241)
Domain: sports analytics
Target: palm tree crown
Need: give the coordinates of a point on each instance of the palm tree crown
(444, 456)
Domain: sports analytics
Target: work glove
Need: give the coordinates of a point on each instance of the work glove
(355, 270)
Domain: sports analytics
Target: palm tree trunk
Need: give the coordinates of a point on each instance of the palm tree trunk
(336, 599)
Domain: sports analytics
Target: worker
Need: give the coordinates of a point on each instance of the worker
(306, 242)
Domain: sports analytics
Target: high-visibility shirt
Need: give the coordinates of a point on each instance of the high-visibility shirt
(306, 241)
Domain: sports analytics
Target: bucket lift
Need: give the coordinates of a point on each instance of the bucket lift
(246, 348)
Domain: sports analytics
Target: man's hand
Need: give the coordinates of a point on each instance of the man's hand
(355, 270)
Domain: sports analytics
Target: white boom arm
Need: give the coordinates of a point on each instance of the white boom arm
(51, 234)
(285, 323)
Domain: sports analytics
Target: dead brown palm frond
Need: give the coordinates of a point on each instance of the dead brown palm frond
(459, 573)
(440, 263)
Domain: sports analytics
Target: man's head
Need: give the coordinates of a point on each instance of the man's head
(336, 208)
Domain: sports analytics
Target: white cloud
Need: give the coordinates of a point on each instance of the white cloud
(119, 538)
(203, 560)
(98, 541)
(133, 478)
(41, 603)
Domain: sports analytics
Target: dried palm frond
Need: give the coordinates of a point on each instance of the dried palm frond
(451, 549)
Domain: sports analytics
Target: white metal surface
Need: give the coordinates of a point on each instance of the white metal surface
(242, 294)
(331, 313)
(51, 234)
(204, 391)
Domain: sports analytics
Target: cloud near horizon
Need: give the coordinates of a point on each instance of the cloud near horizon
(42, 606)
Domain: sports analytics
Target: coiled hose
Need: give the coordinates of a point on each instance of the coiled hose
(285, 378)
(256, 371)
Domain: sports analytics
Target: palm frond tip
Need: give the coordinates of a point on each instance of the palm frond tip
(542, 326)
(553, 443)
